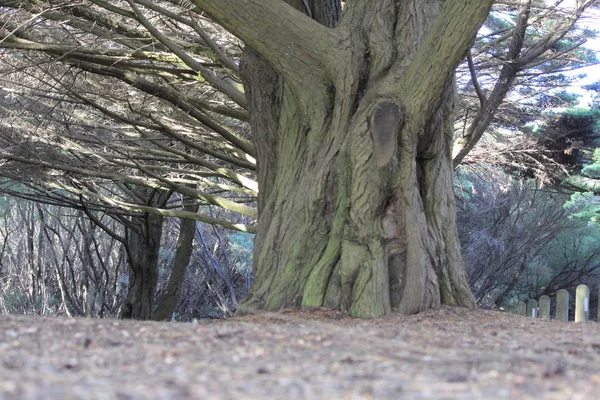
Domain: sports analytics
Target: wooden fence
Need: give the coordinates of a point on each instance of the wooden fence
(541, 308)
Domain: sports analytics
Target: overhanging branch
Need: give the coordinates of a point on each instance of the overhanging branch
(159, 211)
(299, 48)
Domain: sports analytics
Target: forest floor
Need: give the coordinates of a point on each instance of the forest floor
(443, 354)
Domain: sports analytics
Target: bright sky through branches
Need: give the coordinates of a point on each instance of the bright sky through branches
(591, 21)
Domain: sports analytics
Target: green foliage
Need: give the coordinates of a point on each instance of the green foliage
(586, 240)
(166, 256)
(582, 116)
(465, 186)
(567, 142)
(4, 204)
(521, 242)
(241, 245)
(15, 302)
(592, 170)
(568, 98)
(584, 205)
(496, 22)
(581, 56)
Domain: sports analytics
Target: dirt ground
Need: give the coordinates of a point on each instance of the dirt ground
(444, 354)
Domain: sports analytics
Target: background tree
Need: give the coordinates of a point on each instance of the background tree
(65, 265)
(517, 68)
(72, 142)
(55, 261)
(520, 241)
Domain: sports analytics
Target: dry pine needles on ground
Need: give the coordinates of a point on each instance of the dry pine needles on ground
(443, 354)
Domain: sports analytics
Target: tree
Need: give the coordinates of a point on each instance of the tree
(86, 136)
(520, 241)
(168, 301)
(353, 125)
(352, 118)
(526, 49)
(508, 229)
(56, 261)
(355, 214)
(67, 136)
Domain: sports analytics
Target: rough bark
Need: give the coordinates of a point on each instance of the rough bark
(166, 306)
(358, 211)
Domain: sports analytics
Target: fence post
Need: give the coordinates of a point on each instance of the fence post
(532, 308)
(521, 308)
(562, 305)
(545, 307)
(582, 303)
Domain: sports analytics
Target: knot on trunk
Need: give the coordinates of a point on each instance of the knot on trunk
(389, 226)
(384, 124)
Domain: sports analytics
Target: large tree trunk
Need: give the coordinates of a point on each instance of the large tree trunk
(356, 207)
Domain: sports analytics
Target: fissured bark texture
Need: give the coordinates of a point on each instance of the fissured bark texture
(356, 206)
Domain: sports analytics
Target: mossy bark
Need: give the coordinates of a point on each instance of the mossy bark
(352, 122)
(356, 197)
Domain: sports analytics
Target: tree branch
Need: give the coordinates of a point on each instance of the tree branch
(476, 86)
(296, 46)
(206, 73)
(159, 211)
(438, 56)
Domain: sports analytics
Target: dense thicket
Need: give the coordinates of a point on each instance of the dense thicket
(55, 261)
